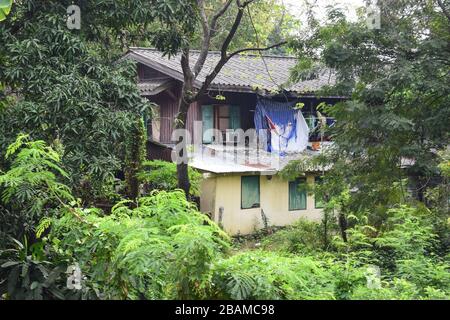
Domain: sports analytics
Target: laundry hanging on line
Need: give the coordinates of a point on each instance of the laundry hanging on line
(285, 127)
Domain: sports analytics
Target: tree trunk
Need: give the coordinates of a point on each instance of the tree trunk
(183, 178)
(343, 226)
(325, 231)
(180, 123)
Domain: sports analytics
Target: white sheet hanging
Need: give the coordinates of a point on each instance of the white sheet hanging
(283, 141)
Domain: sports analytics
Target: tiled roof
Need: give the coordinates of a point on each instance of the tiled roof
(152, 87)
(241, 73)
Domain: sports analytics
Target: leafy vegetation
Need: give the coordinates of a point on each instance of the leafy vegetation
(160, 250)
(5, 8)
(162, 175)
(163, 248)
(31, 187)
(63, 88)
(291, 267)
(30, 276)
(73, 167)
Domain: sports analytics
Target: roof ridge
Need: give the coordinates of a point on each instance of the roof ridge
(218, 52)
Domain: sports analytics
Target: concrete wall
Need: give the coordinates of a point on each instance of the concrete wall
(223, 193)
(207, 198)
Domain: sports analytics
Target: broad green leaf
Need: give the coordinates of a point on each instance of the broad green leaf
(5, 8)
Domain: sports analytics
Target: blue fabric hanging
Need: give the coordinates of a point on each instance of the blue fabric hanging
(280, 113)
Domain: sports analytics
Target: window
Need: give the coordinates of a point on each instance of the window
(208, 123)
(319, 203)
(297, 194)
(250, 192)
(221, 117)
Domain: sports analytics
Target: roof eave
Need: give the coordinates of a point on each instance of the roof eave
(159, 67)
(161, 88)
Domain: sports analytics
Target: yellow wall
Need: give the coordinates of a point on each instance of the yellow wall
(225, 192)
(207, 199)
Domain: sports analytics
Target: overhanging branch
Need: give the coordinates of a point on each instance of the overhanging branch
(223, 60)
(224, 57)
(208, 32)
(444, 9)
(279, 44)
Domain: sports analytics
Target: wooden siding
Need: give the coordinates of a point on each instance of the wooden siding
(168, 111)
(158, 152)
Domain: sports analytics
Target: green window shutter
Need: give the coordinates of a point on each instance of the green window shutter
(250, 192)
(311, 121)
(235, 117)
(318, 203)
(297, 194)
(208, 123)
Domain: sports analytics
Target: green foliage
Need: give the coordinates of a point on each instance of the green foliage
(399, 290)
(31, 186)
(25, 274)
(302, 237)
(134, 157)
(162, 175)
(70, 90)
(444, 165)
(265, 23)
(396, 115)
(403, 249)
(5, 8)
(268, 275)
(162, 249)
(34, 168)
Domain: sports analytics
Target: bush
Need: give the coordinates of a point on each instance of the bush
(397, 290)
(302, 237)
(27, 273)
(163, 249)
(162, 175)
(30, 188)
(403, 249)
(270, 275)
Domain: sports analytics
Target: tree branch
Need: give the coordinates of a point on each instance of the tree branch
(220, 13)
(279, 44)
(444, 9)
(205, 41)
(208, 33)
(224, 56)
(187, 72)
(234, 27)
(209, 79)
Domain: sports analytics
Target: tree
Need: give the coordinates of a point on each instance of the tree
(396, 115)
(68, 87)
(266, 23)
(189, 93)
